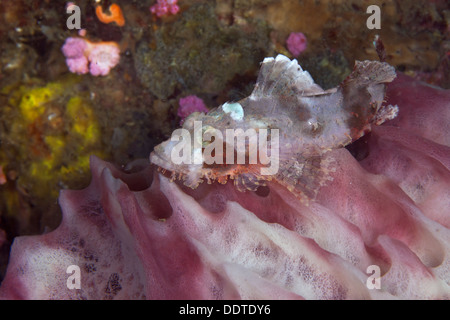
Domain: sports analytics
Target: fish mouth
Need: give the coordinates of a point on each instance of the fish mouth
(157, 160)
(160, 157)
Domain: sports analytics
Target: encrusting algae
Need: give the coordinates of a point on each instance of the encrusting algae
(52, 134)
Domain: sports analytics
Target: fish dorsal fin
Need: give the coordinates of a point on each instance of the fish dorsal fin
(282, 76)
(367, 73)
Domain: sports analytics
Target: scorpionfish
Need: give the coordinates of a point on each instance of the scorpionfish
(283, 129)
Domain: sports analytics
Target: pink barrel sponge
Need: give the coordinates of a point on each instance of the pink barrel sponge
(296, 43)
(165, 7)
(83, 56)
(189, 105)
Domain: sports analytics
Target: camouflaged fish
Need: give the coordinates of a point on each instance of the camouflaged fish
(285, 104)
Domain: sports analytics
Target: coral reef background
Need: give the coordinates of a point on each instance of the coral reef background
(51, 120)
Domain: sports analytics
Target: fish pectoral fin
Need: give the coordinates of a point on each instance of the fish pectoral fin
(305, 176)
(249, 181)
(385, 113)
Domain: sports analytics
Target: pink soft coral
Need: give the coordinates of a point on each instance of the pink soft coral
(74, 50)
(165, 7)
(190, 104)
(103, 57)
(296, 43)
(83, 56)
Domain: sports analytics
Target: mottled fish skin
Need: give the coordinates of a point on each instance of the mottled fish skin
(310, 121)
